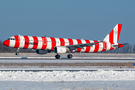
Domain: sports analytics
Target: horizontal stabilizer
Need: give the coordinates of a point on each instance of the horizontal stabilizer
(120, 45)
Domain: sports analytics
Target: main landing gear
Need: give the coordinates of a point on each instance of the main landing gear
(69, 56)
(57, 56)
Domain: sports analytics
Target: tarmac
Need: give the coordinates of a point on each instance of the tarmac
(80, 61)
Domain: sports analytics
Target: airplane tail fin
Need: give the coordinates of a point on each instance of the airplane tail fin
(113, 37)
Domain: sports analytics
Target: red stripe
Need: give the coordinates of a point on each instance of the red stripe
(96, 46)
(53, 43)
(120, 45)
(26, 44)
(70, 41)
(79, 42)
(104, 46)
(119, 29)
(44, 43)
(35, 43)
(17, 41)
(111, 37)
(62, 42)
(88, 47)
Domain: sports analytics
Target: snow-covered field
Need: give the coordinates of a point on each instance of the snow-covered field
(50, 76)
(67, 80)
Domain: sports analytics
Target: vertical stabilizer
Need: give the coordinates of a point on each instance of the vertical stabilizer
(113, 37)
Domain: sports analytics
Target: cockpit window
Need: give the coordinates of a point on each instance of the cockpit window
(11, 39)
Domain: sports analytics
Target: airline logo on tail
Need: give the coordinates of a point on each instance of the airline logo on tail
(44, 45)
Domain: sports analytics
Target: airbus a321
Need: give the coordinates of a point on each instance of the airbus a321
(44, 45)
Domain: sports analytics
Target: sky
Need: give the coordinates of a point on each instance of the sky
(77, 19)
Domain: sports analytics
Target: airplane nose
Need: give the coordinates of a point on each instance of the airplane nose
(6, 42)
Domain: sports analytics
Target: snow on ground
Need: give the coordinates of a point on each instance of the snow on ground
(67, 75)
(67, 80)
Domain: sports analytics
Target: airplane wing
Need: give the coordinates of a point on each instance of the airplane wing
(74, 47)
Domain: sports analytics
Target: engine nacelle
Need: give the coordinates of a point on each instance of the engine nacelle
(60, 49)
(42, 51)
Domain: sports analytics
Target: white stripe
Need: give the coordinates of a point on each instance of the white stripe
(31, 40)
(115, 31)
(84, 48)
(39, 43)
(12, 43)
(66, 41)
(57, 41)
(49, 43)
(90, 46)
(93, 47)
(74, 41)
(22, 42)
(108, 46)
(106, 38)
(83, 41)
(100, 47)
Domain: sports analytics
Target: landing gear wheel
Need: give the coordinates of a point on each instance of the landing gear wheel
(16, 53)
(69, 56)
(57, 56)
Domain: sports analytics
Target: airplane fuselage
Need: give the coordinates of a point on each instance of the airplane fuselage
(48, 43)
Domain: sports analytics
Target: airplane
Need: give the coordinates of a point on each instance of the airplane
(44, 45)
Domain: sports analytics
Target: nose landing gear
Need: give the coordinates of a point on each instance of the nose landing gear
(17, 52)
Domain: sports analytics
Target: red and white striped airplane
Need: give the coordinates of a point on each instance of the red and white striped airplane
(44, 45)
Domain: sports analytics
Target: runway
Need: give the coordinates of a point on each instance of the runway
(80, 62)
(76, 56)
(37, 65)
(63, 58)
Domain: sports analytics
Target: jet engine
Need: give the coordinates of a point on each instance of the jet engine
(60, 49)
